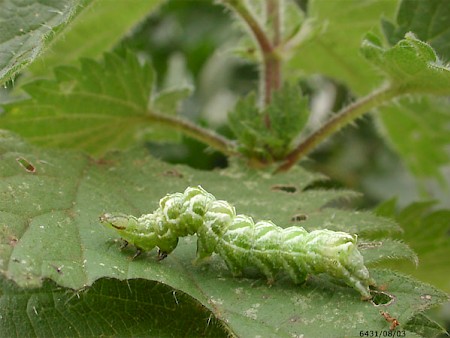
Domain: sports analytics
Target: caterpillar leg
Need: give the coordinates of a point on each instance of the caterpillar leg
(233, 263)
(296, 275)
(161, 255)
(124, 244)
(137, 253)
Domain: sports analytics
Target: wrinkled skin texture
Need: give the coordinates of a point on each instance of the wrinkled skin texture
(241, 242)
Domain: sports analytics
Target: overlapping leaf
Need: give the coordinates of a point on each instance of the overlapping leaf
(427, 232)
(97, 29)
(428, 20)
(333, 47)
(101, 106)
(51, 200)
(27, 26)
(418, 130)
(132, 308)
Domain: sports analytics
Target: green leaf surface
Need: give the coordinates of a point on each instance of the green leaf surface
(428, 20)
(99, 107)
(26, 27)
(333, 46)
(387, 249)
(51, 200)
(97, 29)
(411, 65)
(427, 232)
(132, 308)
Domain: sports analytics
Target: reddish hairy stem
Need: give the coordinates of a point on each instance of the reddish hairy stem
(341, 119)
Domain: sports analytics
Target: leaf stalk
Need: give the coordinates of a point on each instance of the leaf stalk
(207, 136)
(347, 115)
(270, 79)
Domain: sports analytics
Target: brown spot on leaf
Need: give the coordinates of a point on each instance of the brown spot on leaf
(299, 218)
(284, 187)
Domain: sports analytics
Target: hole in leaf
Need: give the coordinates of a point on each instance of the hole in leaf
(382, 298)
(286, 188)
(173, 173)
(324, 184)
(299, 218)
(26, 165)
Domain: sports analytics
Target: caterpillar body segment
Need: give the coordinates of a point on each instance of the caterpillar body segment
(241, 242)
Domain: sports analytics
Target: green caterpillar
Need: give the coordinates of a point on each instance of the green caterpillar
(241, 242)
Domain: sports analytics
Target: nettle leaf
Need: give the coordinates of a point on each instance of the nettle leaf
(27, 27)
(95, 21)
(269, 133)
(387, 249)
(411, 65)
(428, 20)
(418, 129)
(427, 232)
(288, 113)
(425, 326)
(101, 106)
(132, 308)
(247, 122)
(49, 229)
(333, 45)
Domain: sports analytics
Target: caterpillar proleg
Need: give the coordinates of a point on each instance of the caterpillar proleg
(241, 242)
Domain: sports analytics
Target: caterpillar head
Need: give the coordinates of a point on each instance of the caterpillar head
(141, 232)
(119, 222)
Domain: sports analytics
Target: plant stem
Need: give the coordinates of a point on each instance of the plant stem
(271, 73)
(344, 117)
(273, 67)
(190, 129)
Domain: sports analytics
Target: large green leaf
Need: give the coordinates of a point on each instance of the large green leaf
(137, 307)
(333, 47)
(428, 20)
(27, 26)
(427, 232)
(132, 308)
(101, 106)
(97, 29)
(419, 130)
(50, 204)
